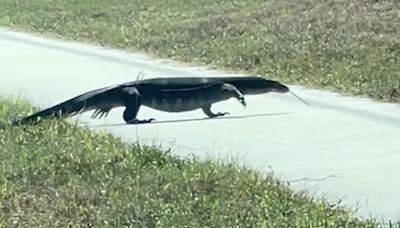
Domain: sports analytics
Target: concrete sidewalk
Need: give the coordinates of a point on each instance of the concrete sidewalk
(340, 147)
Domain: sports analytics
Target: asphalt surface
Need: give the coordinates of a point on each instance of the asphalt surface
(341, 148)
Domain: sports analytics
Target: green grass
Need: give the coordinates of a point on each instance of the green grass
(57, 175)
(351, 46)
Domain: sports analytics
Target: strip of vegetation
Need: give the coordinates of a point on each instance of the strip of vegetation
(56, 174)
(350, 46)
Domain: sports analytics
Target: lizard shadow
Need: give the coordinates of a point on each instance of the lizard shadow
(194, 119)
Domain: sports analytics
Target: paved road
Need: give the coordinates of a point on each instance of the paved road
(341, 148)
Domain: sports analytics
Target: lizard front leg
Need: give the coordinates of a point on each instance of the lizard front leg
(236, 92)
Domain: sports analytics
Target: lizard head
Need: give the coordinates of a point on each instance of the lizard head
(259, 85)
(277, 87)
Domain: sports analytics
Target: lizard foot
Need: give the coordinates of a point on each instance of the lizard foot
(136, 121)
(242, 101)
(218, 114)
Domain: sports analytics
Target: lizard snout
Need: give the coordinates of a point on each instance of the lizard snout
(281, 89)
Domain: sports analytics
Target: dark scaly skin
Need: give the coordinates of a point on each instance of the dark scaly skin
(187, 99)
(180, 94)
(248, 85)
(175, 94)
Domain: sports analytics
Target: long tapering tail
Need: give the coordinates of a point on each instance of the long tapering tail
(64, 109)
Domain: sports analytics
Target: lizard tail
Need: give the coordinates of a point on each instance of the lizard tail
(59, 111)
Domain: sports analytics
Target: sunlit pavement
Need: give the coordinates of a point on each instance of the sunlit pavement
(341, 148)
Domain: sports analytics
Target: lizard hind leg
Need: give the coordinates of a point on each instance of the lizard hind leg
(132, 104)
(130, 116)
(209, 113)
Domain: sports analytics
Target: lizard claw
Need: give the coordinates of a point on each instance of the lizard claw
(150, 120)
(222, 113)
